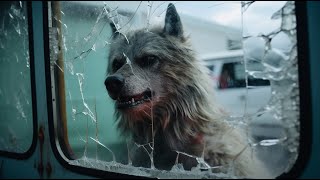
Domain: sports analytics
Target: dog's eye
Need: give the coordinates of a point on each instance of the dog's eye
(117, 65)
(148, 61)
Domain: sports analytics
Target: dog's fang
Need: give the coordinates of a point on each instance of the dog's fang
(132, 100)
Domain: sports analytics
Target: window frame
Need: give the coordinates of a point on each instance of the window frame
(304, 89)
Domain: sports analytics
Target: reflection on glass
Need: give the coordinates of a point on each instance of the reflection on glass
(16, 127)
(138, 96)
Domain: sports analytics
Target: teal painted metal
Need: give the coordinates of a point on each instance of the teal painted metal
(28, 168)
(58, 171)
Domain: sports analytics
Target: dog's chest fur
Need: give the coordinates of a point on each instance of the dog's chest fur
(166, 155)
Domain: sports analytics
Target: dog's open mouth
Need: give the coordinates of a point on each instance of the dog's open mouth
(125, 102)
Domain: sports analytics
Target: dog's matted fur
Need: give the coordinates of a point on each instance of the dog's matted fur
(159, 87)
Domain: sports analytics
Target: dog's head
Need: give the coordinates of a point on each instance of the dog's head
(153, 73)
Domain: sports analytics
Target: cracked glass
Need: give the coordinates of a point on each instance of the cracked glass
(16, 115)
(176, 89)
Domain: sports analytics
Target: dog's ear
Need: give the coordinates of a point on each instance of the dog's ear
(114, 30)
(173, 25)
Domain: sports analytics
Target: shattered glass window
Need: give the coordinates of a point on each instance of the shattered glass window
(16, 127)
(135, 92)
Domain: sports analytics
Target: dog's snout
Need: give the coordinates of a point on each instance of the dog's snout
(114, 83)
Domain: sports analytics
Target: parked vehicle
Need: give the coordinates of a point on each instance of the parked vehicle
(239, 97)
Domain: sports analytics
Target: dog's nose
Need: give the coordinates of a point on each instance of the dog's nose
(114, 83)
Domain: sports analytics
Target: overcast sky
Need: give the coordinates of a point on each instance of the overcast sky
(256, 19)
(224, 12)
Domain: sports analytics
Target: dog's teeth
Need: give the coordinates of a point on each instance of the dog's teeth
(133, 100)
